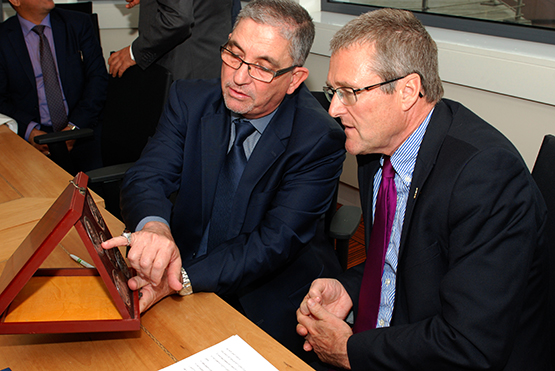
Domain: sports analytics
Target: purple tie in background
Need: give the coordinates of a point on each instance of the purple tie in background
(370, 290)
(52, 88)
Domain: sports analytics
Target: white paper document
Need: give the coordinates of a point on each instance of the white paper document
(232, 354)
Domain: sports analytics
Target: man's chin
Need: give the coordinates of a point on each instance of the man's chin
(235, 106)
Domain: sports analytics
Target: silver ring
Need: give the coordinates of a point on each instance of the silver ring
(127, 235)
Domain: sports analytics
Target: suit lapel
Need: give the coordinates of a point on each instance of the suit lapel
(19, 47)
(427, 155)
(368, 165)
(269, 148)
(215, 129)
(60, 43)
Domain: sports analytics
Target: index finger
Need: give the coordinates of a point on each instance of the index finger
(114, 242)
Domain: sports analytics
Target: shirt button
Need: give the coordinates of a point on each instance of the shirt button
(382, 323)
(387, 281)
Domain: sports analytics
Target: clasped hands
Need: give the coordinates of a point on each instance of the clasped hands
(157, 261)
(321, 318)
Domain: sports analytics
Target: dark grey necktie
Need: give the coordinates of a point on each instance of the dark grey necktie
(229, 177)
(52, 88)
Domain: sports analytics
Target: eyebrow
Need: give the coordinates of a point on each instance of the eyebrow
(340, 85)
(268, 59)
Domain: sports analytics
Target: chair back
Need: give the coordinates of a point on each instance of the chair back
(133, 107)
(543, 173)
(80, 6)
(83, 7)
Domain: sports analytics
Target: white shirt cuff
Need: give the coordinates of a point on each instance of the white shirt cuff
(12, 124)
(131, 52)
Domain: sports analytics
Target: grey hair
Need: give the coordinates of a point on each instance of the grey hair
(294, 23)
(402, 46)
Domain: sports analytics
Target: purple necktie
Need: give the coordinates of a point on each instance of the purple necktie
(52, 88)
(370, 290)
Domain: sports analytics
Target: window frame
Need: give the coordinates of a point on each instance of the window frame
(485, 27)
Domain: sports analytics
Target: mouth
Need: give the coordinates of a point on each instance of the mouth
(349, 131)
(237, 94)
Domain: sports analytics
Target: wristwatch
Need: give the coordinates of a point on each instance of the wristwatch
(187, 289)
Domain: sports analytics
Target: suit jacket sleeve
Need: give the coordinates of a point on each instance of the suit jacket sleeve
(493, 222)
(281, 220)
(6, 95)
(163, 24)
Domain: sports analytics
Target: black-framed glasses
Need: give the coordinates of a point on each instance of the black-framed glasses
(348, 96)
(256, 71)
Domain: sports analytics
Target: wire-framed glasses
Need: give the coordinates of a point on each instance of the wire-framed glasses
(348, 96)
(256, 71)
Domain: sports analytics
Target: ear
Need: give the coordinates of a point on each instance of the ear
(297, 77)
(15, 3)
(410, 89)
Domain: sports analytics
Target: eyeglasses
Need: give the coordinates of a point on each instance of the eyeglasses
(256, 71)
(348, 96)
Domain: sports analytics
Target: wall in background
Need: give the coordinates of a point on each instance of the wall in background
(509, 83)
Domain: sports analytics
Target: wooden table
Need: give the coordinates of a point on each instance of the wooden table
(172, 330)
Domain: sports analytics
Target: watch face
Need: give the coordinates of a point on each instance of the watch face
(186, 289)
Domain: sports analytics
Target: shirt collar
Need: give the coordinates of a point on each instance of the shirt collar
(27, 26)
(404, 158)
(260, 124)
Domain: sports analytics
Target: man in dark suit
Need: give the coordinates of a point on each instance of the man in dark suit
(80, 66)
(272, 246)
(182, 36)
(462, 284)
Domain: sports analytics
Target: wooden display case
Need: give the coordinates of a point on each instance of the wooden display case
(60, 300)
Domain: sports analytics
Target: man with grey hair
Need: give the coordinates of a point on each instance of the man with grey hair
(254, 160)
(454, 277)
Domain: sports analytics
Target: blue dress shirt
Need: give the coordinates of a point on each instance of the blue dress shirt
(403, 161)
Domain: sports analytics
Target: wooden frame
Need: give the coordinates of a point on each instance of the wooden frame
(37, 300)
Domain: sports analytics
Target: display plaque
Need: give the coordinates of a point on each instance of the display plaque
(60, 300)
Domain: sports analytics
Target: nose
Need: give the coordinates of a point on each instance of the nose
(336, 107)
(241, 75)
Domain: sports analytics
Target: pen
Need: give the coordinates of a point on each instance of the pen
(78, 259)
(81, 261)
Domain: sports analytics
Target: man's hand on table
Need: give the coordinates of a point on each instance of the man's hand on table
(156, 259)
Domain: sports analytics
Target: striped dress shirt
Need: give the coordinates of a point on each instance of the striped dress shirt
(403, 161)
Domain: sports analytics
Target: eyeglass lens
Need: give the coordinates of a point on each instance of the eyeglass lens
(255, 71)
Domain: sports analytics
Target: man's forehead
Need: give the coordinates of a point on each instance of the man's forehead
(355, 60)
(259, 41)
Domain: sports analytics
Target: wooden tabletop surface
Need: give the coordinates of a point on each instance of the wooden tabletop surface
(175, 328)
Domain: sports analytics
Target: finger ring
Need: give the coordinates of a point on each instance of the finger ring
(127, 234)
